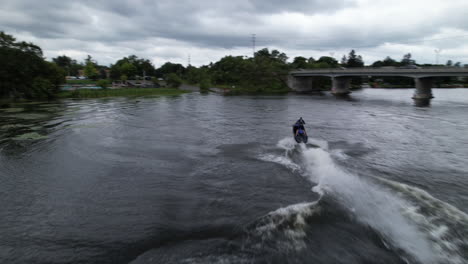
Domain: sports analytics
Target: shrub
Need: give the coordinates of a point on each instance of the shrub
(173, 80)
(204, 85)
(75, 93)
(41, 88)
(104, 84)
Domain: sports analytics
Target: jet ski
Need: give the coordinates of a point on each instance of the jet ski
(301, 136)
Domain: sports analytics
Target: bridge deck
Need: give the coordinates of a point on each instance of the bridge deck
(413, 73)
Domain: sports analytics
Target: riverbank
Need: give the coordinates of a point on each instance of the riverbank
(233, 90)
(97, 93)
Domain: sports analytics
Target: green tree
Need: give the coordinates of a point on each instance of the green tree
(69, 65)
(90, 71)
(329, 61)
(228, 70)
(389, 62)
(354, 60)
(386, 62)
(266, 71)
(407, 60)
(24, 72)
(142, 67)
(41, 88)
(205, 85)
(168, 68)
(300, 63)
(173, 80)
(128, 69)
(89, 59)
(344, 60)
(275, 55)
(123, 78)
(195, 75)
(7, 41)
(63, 61)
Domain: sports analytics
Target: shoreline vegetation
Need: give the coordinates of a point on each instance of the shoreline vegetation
(25, 74)
(99, 93)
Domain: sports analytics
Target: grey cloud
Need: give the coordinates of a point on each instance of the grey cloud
(311, 6)
(127, 19)
(215, 24)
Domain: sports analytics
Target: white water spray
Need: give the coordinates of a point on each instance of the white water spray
(370, 204)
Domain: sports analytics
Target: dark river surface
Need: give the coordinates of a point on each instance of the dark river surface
(212, 179)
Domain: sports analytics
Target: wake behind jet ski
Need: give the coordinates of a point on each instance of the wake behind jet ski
(300, 135)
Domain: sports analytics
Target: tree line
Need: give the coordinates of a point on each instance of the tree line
(266, 71)
(25, 72)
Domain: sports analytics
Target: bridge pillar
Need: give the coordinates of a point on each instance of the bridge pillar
(423, 89)
(300, 84)
(340, 85)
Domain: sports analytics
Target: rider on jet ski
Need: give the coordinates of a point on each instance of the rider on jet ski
(299, 125)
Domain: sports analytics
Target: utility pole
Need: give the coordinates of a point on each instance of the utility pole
(437, 52)
(188, 64)
(254, 36)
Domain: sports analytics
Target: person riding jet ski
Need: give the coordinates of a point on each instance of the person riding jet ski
(299, 124)
(300, 135)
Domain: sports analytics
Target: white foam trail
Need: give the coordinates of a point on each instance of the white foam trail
(339, 154)
(370, 204)
(288, 163)
(396, 217)
(323, 144)
(294, 217)
(287, 144)
(446, 225)
(428, 200)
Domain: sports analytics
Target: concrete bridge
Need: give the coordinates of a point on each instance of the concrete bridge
(302, 80)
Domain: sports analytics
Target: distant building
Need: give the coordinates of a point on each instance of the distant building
(81, 73)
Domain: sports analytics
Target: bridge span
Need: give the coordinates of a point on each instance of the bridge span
(302, 80)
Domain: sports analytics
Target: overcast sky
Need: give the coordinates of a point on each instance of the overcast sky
(171, 30)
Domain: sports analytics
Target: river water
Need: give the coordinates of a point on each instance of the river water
(212, 179)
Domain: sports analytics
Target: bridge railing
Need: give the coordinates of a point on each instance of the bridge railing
(384, 69)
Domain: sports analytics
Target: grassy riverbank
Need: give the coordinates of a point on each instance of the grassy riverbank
(97, 93)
